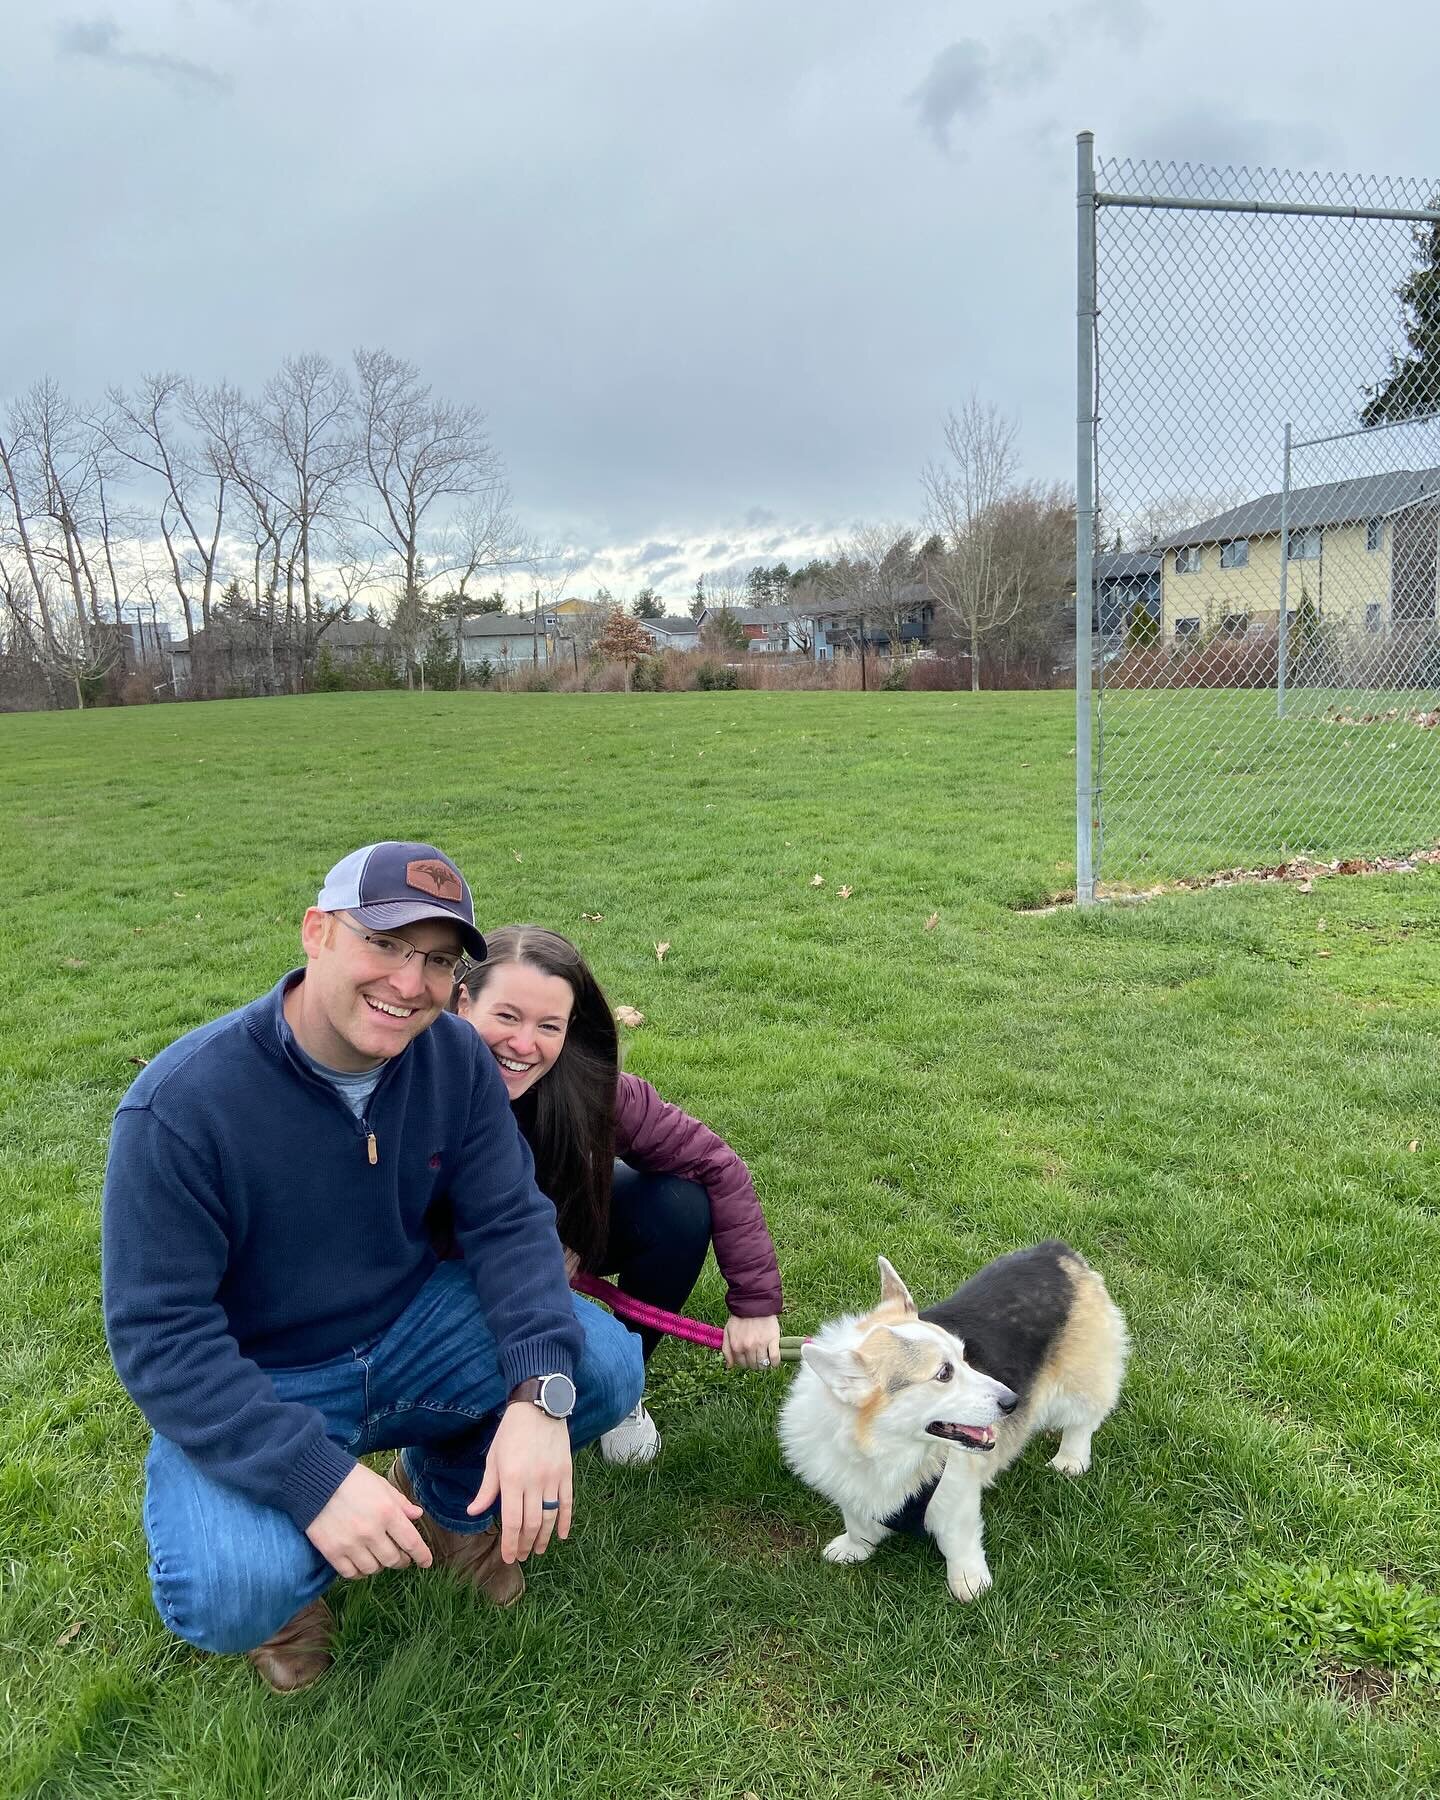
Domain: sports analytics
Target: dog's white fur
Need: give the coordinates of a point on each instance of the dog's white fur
(854, 1422)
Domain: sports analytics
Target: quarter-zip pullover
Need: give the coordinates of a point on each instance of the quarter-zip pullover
(251, 1221)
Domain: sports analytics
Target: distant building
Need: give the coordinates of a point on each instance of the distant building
(1365, 553)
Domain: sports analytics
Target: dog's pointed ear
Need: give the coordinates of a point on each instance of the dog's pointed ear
(841, 1370)
(893, 1289)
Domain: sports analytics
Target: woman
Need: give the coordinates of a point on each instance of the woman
(641, 1189)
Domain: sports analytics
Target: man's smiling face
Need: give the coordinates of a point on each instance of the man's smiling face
(356, 1008)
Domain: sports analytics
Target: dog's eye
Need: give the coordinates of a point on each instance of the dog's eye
(945, 1372)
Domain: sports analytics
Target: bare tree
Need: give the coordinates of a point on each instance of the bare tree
(879, 568)
(482, 540)
(307, 417)
(963, 494)
(153, 428)
(416, 452)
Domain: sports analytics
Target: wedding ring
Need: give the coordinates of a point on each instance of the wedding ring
(549, 1506)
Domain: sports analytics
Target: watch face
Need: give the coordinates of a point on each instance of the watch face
(557, 1396)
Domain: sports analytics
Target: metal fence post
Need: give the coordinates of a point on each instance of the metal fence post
(1283, 645)
(1085, 871)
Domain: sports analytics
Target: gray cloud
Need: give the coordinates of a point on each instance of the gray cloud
(654, 553)
(758, 516)
(99, 39)
(960, 85)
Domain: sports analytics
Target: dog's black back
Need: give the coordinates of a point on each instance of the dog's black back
(1010, 1312)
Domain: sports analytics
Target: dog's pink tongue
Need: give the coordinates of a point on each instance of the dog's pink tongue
(977, 1434)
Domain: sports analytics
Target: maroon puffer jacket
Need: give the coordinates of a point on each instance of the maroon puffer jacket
(651, 1134)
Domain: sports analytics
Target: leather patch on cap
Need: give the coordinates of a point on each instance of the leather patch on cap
(435, 878)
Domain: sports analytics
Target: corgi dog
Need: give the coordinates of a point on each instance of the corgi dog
(900, 1416)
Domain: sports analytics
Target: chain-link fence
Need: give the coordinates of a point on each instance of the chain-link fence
(1259, 465)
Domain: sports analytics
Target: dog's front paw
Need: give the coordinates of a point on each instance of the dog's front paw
(847, 1549)
(1069, 1465)
(968, 1581)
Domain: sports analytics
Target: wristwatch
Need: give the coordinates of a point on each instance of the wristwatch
(553, 1394)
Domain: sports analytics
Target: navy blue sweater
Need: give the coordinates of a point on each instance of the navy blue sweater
(246, 1228)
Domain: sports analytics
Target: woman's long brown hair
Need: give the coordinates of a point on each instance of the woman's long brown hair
(568, 1116)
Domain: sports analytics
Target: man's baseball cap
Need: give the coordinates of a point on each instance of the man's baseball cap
(392, 884)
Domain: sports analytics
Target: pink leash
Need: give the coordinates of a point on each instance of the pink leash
(640, 1312)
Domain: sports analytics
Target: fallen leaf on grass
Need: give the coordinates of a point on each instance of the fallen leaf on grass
(629, 1015)
(179, 893)
(70, 1634)
(594, 918)
(516, 854)
(1323, 953)
(660, 950)
(75, 962)
(140, 1062)
(817, 881)
(845, 892)
(1306, 887)
(1319, 924)
(1414, 1145)
(932, 921)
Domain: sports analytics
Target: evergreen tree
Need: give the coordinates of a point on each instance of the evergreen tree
(647, 604)
(1412, 387)
(698, 602)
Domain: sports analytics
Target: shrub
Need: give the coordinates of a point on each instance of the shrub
(1143, 628)
(645, 676)
(713, 677)
(1353, 1618)
(897, 677)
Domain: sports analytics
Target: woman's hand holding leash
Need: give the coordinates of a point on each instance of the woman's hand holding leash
(751, 1343)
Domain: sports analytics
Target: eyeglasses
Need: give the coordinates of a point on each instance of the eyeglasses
(439, 966)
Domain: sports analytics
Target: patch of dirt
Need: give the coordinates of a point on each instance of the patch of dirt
(1303, 871)
(1359, 1687)
(759, 1534)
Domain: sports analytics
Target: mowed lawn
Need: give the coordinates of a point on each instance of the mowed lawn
(1226, 1100)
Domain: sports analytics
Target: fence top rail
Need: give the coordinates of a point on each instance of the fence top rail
(1295, 208)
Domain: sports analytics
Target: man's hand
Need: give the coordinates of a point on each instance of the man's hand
(751, 1343)
(366, 1526)
(529, 1462)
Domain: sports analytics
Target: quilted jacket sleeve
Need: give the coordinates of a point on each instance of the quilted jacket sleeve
(651, 1134)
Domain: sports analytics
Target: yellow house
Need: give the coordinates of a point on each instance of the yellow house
(1364, 553)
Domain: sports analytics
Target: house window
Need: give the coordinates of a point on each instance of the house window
(1374, 616)
(1185, 629)
(1305, 545)
(1375, 534)
(1235, 555)
(1235, 624)
(1187, 562)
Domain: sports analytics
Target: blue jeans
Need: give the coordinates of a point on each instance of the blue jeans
(227, 1571)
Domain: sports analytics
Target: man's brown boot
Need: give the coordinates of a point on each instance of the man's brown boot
(299, 1652)
(472, 1555)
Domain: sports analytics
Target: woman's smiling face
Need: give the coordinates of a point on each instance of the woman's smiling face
(523, 1015)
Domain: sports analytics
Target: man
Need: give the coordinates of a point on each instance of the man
(275, 1308)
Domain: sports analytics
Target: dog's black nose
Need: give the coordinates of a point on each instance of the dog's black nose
(1006, 1401)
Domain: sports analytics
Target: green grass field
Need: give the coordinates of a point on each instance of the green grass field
(1231, 1110)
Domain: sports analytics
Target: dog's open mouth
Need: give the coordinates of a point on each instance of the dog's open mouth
(973, 1437)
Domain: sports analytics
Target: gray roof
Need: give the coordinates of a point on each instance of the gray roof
(674, 624)
(356, 632)
(1126, 565)
(507, 625)
(1331, 503)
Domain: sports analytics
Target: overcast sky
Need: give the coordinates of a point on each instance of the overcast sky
(713, 271)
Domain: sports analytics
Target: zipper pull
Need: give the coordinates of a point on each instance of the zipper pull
(370, 1147)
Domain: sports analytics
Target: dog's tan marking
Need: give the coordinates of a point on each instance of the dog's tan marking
(894, 1363)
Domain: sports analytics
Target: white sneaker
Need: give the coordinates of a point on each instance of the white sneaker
(634, 1441)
